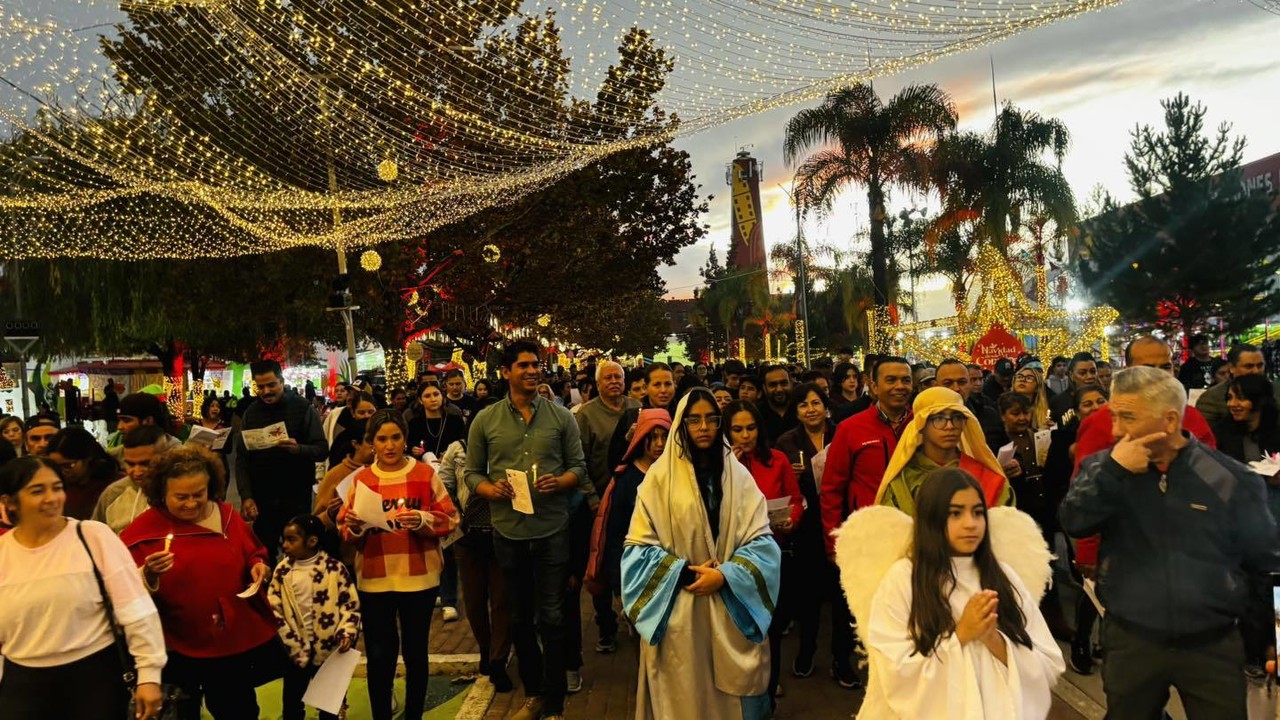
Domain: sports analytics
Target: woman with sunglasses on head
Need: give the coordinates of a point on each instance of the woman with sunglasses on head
(700, 576)
(943, 432)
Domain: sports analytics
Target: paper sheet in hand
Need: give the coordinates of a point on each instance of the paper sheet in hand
(1043, 438)
(250, 591)
(327, 689)
(819, 464)
(212, 439)
(1265, 467)
(1091, 589)
(523, 501)
(1006, 454)
(265, 438)
(344, 485)
(368, 507)
(779, 509)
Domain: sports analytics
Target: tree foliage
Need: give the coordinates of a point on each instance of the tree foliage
(1192, 247)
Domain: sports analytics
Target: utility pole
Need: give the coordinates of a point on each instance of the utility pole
(802, 279)
(340, 301)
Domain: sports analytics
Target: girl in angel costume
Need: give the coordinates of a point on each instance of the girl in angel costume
(700, 577)
(943, 605)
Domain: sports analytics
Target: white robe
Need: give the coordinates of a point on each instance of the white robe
(959, 682)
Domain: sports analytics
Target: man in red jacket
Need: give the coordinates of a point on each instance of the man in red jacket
(862, 446)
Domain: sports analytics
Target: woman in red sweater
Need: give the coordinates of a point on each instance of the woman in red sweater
(398, 561)
(197, 555)
(775, 477)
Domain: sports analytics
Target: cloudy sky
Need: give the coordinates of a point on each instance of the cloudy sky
(1101, 74)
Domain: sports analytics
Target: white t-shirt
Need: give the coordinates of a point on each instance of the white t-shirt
(302, 583)
(52, 611)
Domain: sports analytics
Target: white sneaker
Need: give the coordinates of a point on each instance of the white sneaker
(449, 614)
(573, 681)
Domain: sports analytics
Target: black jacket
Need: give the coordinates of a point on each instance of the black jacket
(278, 473)
(1230, 437)
(1174, 563)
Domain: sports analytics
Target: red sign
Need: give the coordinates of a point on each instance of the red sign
(997, 343)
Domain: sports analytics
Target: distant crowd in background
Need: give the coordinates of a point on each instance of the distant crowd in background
(653, 488)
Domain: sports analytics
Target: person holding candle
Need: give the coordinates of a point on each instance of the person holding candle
(533, 549)
(397, 569)
(220, 646)
(60, 657)
(807, 575)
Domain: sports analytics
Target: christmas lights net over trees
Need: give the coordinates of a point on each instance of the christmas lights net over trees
(387, 120)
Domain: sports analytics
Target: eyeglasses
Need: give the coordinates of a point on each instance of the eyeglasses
(1025, 377)
(711, 421)
(938, 422)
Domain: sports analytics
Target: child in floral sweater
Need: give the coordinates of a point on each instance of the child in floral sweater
(315, 605)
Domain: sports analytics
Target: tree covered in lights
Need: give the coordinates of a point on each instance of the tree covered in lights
(1193, 246)
(583, 250)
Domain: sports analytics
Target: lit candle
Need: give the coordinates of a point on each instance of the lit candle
(802, 459)
(400, 504)
(168, 540)
(535, 471)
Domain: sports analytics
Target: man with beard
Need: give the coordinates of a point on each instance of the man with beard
(660, 392)
(777, 389)
(275, 483)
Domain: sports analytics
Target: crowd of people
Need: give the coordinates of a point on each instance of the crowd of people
(700, 507)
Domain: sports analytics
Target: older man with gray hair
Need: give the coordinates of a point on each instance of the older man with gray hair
(1183, 527)
(597, 420)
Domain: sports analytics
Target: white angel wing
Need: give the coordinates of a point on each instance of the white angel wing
(867, 545)
(1017, 542)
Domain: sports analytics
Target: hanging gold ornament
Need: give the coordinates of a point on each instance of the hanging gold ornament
(544, 320)
(491, 254)
(370, 260)
(388, 170)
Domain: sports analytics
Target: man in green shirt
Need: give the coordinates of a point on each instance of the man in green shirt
(527, 433)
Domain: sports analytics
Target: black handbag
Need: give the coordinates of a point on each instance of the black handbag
(129, 671)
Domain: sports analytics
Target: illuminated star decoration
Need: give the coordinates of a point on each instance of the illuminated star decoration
(1002, 301)
(124, 182)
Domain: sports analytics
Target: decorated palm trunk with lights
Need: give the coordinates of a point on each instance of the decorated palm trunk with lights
(747, 257)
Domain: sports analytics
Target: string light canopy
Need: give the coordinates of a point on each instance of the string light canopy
(180, 128)
(1002, 302)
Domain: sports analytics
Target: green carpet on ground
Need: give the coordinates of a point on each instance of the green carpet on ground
(443, 700)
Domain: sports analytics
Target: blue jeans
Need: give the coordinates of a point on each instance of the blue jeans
(536, 572)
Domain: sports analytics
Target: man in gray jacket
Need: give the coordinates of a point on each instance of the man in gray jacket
(1183, 527)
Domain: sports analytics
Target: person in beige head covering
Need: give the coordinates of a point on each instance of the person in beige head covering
(943, 432)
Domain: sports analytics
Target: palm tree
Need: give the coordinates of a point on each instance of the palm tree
(870, 144)
(998, 179)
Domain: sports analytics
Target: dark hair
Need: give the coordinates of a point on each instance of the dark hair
(398, 391)
(144, 436)
(652, 368)
(952, 361)
(17, 473)
(710, 460)
(882, 360)
(764, 371)
(454, 373)
(1080, 392)
(1233, 355)
(186, 460)
(843, 369)
(1058, 359)
(382, 417)
(1079, 358)
(1010, 400)
(1215, 365)
(143, 406)
(77, 443)
(733, 366)
(975, 366)
(1197, 339)
(764, 452)
(8, 420)
(262, 367)
(932, 577)
(1103, 363)
(634, 375)
(488, 385)
(511, 353)
(1257, 390)
(801, 392)
(209, 402)
(43, 419)
(869, 363)
(751, 380)
(309, 525)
